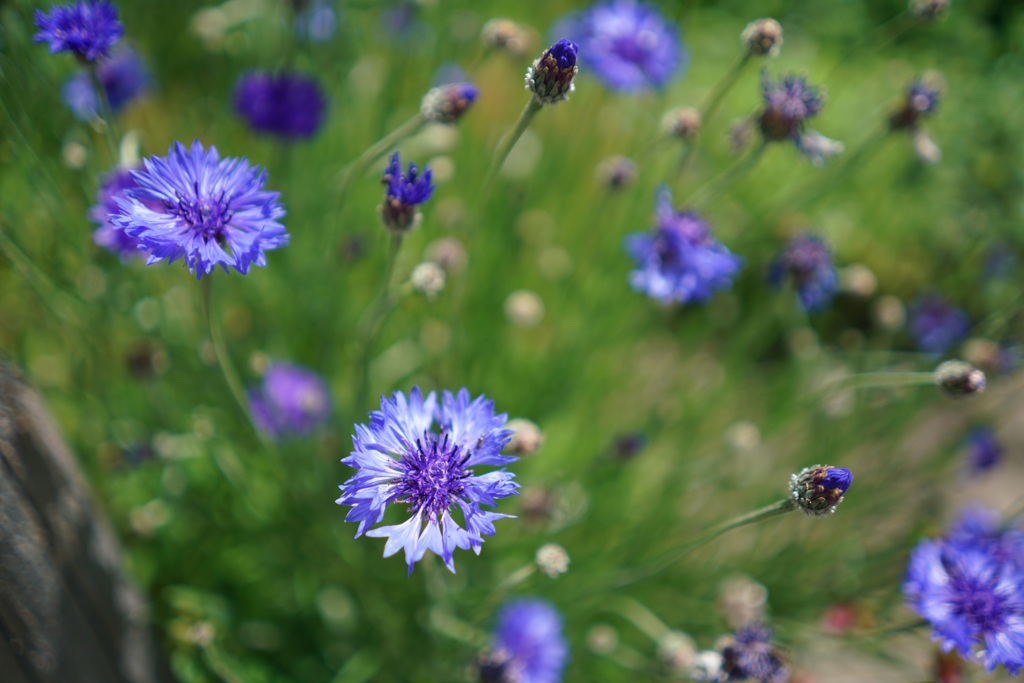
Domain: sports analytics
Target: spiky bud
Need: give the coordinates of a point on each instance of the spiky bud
(959, 378)
(552, 559)
(762, 37)
(505, 34)
(681, 122)
(551, 75)
(819, 489)
(616, 172)
(447, 103)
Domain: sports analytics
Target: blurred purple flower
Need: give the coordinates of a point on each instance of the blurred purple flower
(316, 22)
(935, 325)
(528, 643)
(209, 210)
(788, 104)
(80, 96)
(399, 459)
(292, 401)
(752, 655)
(285, 104)
(88, 29)
(108, 236)
(808, 261)
(679, 260)
(123, 77)
(628, 45)
(405, 191)
(983, 449)
(970, 587)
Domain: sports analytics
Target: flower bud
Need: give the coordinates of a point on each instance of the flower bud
(928, 10)
(552, 559)
(681, 122)
(819, 489)
(505, 34)
(527, 438)
(616, 172)
(428, 278)
(762, 37)
(551, 75)
(447, 103)
(959, 378)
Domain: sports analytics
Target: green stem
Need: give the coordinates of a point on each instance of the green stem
(887, 379)
(221, 349)
(507, 143)
(719, 185)
(369, 329)
(375, 151)
(722, 88)
(823, 183)
(673, 556)
(106, 115)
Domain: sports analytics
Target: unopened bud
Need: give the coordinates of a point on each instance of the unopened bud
(819, 489)
(505, 34)
(959, 378)
(616, 172)
(552, 559)
(762, 37)
(928, 10)
(681, 122)
(550, 78)
(677, 651)
(527, 438)
(447, 103)
(428, 278)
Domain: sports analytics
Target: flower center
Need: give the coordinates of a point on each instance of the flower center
(207, 216)
(433, 474)
(980, 605)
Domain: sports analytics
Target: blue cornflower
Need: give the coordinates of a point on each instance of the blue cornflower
(209, 210)
(627, 44)
(751, 655)
(679, 261)
(819, 489)
(808, 261)
(88, 29)
(448, 102)
(316, 22)
(405, 192)
(400, 459)
(108, 235)
(528, 645)
(123, 77)
(292, 401)
(788, 103)
(970, 587)
(284, 104)
(550, 77)
(935, 325)
(920, 100)
(983, 449)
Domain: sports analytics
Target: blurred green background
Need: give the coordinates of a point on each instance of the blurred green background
(253, 574)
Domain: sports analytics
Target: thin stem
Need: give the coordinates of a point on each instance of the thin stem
(719, 185)
(220, 348)
(722, 88)
(507, 143)
(887, 379)
(375, 151)
(673, 556)
(369, 329)
(105, 114)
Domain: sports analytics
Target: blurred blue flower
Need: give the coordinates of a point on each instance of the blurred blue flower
(292, 401)
(448, 102)
(108, 236)
(935, 325)
(970, 587)
(80, 97)
(88, 28)
(209, 210)
(920, 100)
(550, 77)
(983, 449)
(316, 22)
(123, 77)
(808, 261)
(788, 103)
(405, 191)
(679, 261)
(628, 45)
(284, 104)
(751, 655)
(528, 643)
(399, 459)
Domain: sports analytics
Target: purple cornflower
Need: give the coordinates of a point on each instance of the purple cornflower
(550, 77)
(983, 449)
(921, 98)
(528, 645)
(819, 489)
(788, 103)
(448, 102)
(808, 261)
(399, 459)
(751, 655)
(291, 401)
(285, 104)
(108, 235)
(970, 587)
(123, 77)
(405, 192)
(209, 210)
(935, 325)
(679, 261)
(316, 22)
(88, 29)
(627, 44)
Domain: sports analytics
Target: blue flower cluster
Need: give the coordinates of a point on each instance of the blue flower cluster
(87, 29)
(679, 261)
(970, 586)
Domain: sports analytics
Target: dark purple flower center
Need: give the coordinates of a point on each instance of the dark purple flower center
(978, 602)
(207, 216)
(433, 474)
